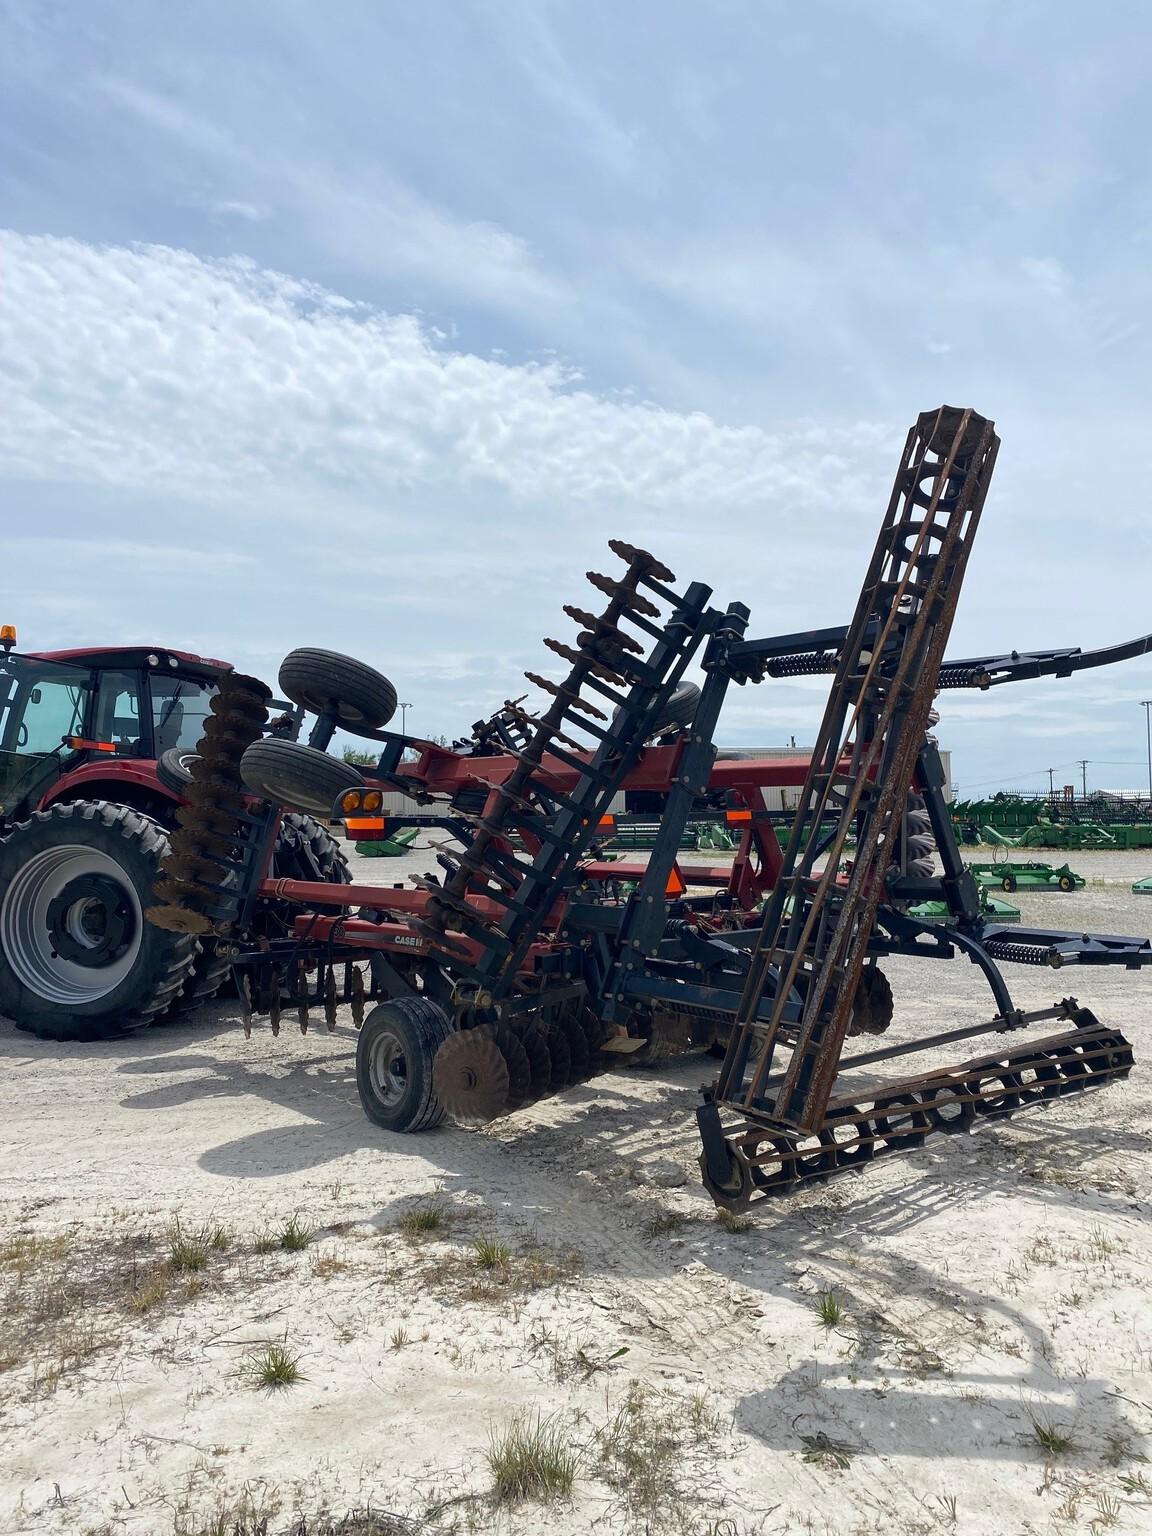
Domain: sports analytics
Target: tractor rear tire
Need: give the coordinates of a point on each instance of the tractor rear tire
(394, 1053)
(78, 961)
(286, 773)
(327, 683)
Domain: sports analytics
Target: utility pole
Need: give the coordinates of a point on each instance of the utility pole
(1084, 761)
(404, 708)
(1051, 786)
(1147, 703)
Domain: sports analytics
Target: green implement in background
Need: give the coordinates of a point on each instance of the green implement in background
(1011, 876)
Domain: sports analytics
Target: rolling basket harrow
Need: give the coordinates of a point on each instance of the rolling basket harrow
(527, 962)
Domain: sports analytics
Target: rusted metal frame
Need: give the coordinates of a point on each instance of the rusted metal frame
(820, 777)
(907, 699)
(897, 567)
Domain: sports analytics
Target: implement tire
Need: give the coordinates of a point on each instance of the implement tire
(78, 961)
(394, 1054)
(286, 773)
(327, 683)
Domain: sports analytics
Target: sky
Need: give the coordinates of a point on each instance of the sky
(366, 325)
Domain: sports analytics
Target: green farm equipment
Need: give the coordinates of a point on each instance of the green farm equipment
(1044, 834)
(1143, 887)
(992, 907)
(390, 847)
(1011, 876)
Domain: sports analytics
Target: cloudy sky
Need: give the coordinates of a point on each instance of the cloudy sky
(365, 324)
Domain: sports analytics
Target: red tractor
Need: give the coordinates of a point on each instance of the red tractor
(94, 752)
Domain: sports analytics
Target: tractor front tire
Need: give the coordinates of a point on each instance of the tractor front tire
(394, 1054)
(286, 773)
(78, 960)
(327, 683)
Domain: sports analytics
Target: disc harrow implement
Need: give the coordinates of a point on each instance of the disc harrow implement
(527, 958)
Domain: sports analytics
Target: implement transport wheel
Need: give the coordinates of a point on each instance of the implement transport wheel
(286, 773)
(394, 1053)
(330, 684)
(1066, 883)
(77, 959)
(1008, 883)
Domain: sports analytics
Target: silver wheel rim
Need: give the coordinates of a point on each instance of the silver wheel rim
(26, 935)
(388, 1068)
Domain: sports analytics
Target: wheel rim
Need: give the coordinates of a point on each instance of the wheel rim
(388, 1068)
(71, 925)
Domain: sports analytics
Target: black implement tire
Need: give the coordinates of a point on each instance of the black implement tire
(78, 961)
(174, 768)
(330, 684)
(681, 709)
(394, 1054)
(286, 773)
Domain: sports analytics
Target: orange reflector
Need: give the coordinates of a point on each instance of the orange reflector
(675, 886)
(607, 822)
(81, 744)
(350, 800)
(734, 816)
(373, 800)
(365, 823)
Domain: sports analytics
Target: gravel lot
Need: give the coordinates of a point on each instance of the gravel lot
(989, 1293)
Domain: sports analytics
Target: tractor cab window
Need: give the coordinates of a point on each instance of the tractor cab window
(118, 712)
(179, 709)
(42, 706)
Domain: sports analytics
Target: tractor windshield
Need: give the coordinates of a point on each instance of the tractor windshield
(43, 706)
(179, 709)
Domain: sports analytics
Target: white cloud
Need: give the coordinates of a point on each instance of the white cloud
(152, 368)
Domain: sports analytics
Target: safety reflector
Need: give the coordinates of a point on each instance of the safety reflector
(608, 823)
(365, 823)
(675, 885)
(734, 816)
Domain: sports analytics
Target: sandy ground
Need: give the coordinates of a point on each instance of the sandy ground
(992, 1291)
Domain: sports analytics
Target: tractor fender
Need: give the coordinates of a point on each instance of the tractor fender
(100, 781)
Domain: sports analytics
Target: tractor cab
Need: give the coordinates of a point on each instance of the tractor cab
(62, 710)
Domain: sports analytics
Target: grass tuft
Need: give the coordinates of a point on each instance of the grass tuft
(491, 1253)
(1050, 1437)
(829, 1309)
(274, 1366)
(532, 1458)
(187, 1251)
(421, 1219)
(294, 1235)
(732, 1221)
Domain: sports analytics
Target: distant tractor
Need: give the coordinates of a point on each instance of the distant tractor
(95, 749)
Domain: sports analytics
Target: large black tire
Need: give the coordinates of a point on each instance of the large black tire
(681, 709)
(327, 683)
(286, 773)
(78, 961)
(307, 851)
(394, 1054)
